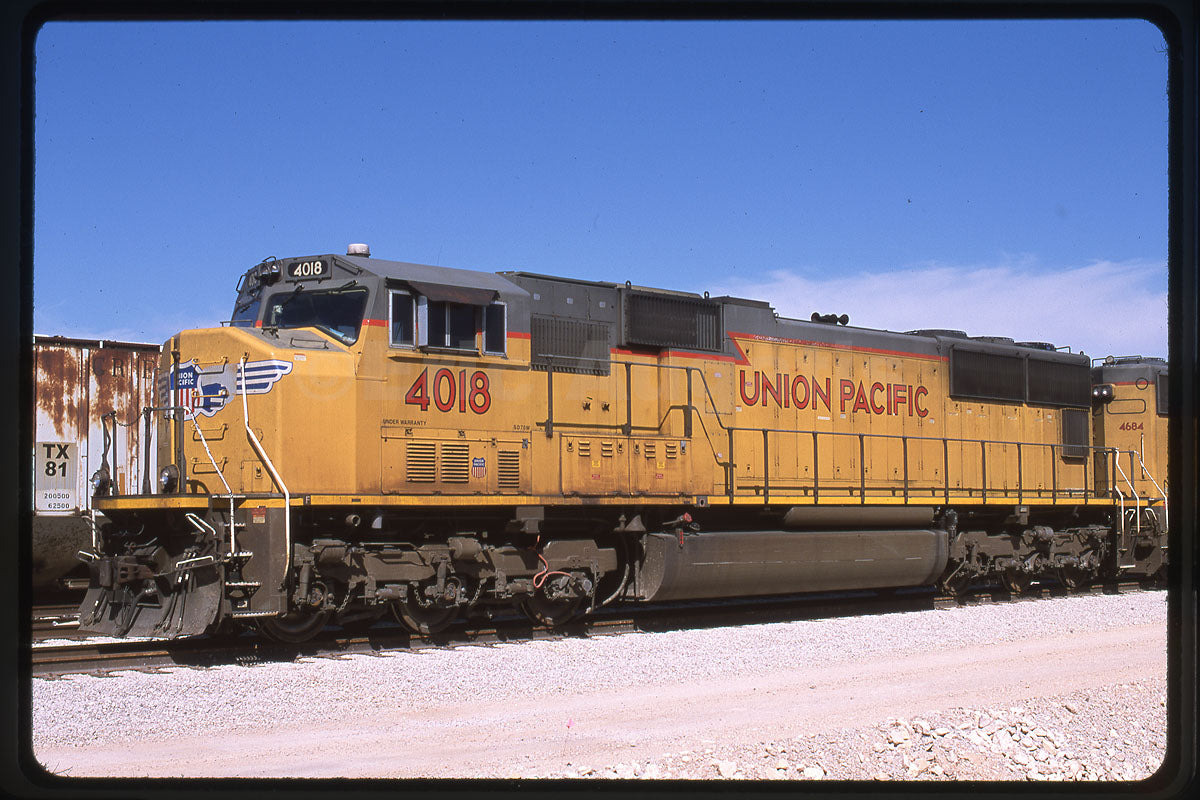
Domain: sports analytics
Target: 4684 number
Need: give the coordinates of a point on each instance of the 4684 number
(1130, 426)
(448, 389)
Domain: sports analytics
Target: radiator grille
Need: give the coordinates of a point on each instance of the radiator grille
(569, 345)
(421, 462)
(1057, 384)
(987, 376)
(456, 463)
(668, 321)
(508, 469)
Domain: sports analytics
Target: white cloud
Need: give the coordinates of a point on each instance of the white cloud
(150, 326)
(1102, 308)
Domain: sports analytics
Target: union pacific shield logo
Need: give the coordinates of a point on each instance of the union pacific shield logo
(261, 375)
(204, 392)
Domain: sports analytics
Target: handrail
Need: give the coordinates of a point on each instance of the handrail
(287, 497)
(1166, 503)
(1137, 500)
(1086, 453)
(228, 492)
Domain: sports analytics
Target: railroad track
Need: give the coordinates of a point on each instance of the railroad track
(53, 619)
(101, 657)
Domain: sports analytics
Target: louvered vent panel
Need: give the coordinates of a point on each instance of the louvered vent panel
(651, 450)
(456, 463)
(585, 448)
(606, 449)
(661, 320)
(421, 462)
(671, 450)
(508, 470)
(570, 345)
(987, 376)
(1075, 433)
(1056, 383)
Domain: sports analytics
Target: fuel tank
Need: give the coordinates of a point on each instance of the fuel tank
(749, 563)
(819, 518)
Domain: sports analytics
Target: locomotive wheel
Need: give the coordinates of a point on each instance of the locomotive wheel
(421, 619)
(1073, 578)
(551, 613)
(957, 585)
(1015, 582)
(295, 626)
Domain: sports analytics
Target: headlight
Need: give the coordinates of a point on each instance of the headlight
(168, 478)
(99, 480)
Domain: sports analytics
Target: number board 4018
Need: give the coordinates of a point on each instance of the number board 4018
(312, 269)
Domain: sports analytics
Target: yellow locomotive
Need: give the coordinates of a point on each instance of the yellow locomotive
(368, 435)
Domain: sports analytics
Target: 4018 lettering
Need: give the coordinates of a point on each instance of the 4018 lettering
(448, 390)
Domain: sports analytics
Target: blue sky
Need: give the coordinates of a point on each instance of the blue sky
(1005, 178)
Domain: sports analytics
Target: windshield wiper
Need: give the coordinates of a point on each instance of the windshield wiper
(291, 296)
(245, 305)
(300, 286)
(341, 337)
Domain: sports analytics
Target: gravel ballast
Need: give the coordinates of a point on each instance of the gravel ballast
(565, 692)
(1117, 735)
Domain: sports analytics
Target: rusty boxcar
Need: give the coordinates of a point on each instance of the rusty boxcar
(76, 383)
(368, 435)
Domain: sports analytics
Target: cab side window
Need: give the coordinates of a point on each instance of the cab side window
(457, 326)
(402, 322)
(495, 329)
(452, 325)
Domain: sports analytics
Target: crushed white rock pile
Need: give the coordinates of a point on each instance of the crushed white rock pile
(527, 696)
(1118, 734)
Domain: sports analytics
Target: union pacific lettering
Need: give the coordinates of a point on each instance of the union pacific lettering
(799, 392)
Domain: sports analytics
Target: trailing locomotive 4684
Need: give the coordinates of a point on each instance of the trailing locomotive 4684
(370, 436)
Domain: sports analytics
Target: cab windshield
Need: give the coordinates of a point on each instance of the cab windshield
(337, 312)
(246, 314)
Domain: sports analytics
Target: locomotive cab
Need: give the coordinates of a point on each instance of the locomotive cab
(1129, 418)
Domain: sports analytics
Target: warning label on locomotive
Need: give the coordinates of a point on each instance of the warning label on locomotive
(54, 474)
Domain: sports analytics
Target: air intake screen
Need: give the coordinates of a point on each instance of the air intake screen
(1161, 390)
(666, 321)
(987, 376)
(1053, 383)
(1075, 433)
(569, 345)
